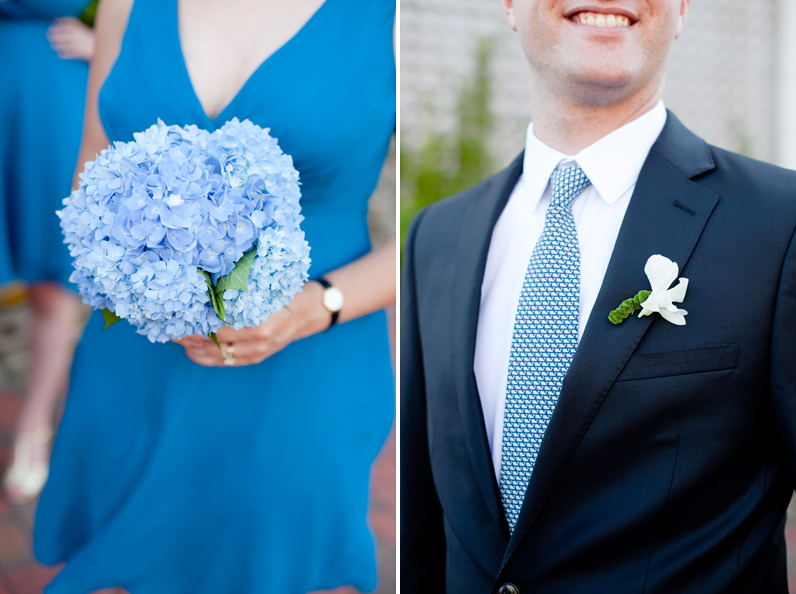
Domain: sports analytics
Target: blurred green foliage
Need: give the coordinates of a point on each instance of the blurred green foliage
(448, 164)
(90, 13)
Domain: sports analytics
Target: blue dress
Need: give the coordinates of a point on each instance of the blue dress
(172, 478)
(41, 99)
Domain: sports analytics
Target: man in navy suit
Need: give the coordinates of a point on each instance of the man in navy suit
(545, 449)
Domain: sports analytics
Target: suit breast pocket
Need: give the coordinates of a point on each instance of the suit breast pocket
(671, 363)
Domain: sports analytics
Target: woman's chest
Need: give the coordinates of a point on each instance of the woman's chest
(224, 43)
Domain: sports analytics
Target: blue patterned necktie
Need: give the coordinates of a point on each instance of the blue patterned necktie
(544, 340)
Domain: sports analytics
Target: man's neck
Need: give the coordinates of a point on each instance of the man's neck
(569, 125)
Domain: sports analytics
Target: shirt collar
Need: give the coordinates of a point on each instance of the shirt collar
(612, 164)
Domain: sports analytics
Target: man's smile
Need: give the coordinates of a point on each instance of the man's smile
(602, 17)
(594, 19)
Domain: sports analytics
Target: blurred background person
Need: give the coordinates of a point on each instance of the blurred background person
(43, 53)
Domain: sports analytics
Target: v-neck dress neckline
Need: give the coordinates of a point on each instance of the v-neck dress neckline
(221, 118)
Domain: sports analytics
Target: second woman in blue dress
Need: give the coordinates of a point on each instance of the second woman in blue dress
(43, 71)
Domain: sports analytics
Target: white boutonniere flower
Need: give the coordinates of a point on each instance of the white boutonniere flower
(661, 272)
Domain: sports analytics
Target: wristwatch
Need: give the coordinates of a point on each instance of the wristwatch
(332, 300)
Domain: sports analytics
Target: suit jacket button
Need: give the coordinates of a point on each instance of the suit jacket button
(508, 589)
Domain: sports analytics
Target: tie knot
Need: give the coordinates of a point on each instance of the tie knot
(567, 184)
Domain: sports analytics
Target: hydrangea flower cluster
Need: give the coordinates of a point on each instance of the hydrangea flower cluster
(150, 215)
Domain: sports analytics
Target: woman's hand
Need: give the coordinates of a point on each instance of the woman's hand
(249, 346)
(72, 39)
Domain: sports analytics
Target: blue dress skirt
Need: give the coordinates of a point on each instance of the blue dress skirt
(172, 478)
(41, 101)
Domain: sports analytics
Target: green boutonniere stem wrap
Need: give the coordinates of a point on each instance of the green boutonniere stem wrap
(627, 307)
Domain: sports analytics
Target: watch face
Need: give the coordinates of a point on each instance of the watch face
(332, 299)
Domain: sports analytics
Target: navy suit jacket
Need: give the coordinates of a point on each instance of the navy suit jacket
(669, 460)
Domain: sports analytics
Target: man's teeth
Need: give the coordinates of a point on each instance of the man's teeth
(594, 19)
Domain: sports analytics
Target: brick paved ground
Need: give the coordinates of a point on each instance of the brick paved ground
(21, 574)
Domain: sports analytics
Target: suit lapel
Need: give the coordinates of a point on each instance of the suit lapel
(653, 224)
(473, 247)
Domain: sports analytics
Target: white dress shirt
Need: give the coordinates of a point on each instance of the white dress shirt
(612, 164)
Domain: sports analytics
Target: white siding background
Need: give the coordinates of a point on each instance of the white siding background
(731, 79)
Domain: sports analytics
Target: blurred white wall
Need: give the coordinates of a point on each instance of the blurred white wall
(731, 79)
(785, 129)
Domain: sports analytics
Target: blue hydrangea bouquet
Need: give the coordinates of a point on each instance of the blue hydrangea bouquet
(183, 231)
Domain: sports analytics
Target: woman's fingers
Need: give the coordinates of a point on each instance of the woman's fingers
(250, 345)
(71, 39)
(61, 32)
(194, 341)
(242, 353)
(245, 334)
(200, 357)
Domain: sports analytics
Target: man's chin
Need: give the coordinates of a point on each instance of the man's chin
(595, 88)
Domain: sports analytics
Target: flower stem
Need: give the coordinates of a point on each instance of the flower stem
(627, 307)
(212, 336)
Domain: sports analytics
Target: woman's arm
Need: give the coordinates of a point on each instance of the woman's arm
(368, 284)
(109, 28)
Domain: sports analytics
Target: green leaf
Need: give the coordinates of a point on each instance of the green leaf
(220, 309)
(90, 14)
(218, 303)
(110, 318)
(208, 279)
(238, 277)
